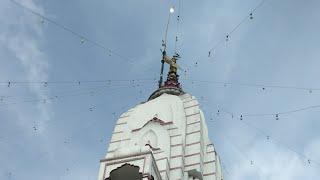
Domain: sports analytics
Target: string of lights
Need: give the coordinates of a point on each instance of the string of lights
(75, 82)
(177, 37)
(262, 132)
(237, 147)
(276, 141)
(48, 92)
(275, 115)
(262, 86)
(35, 127)
(192, 81)
(55, 97)
(82, 37)
(69, 139)
(228, 35)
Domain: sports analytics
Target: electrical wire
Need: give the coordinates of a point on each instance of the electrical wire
(226, 38)
(75, 82)
(78, 35)
(98, 92)
(59, 96)
(178, 27)
(276, 141)
(275, 114)
(263, 86)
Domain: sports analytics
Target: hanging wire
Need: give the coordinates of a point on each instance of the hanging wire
(55, 97)
(263, 86)
(275, 115)
(82, 38)
(281, 143)
(284, 112)
(226, 38)
(35, 127)
(249, 16)
(177, 38)
(75, 82)
(262, 132)
(240, 150)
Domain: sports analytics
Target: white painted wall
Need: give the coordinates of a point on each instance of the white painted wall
(175, 126)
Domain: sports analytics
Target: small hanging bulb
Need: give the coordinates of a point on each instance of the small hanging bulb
(42, 20)
(171, 10)
(218, 112)
(9, 83)
(209, 55)
(45, 84)
(309, 161)
(227, 37)
(251, 15)
(241, 117)
(263, 88)
(277, 117)
(82, 40)
(1, 98)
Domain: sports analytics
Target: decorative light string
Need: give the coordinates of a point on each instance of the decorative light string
(273, 139)
(82, 37)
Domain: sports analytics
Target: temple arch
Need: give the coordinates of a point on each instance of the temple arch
(150, 138)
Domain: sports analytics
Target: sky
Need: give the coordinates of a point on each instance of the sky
(61, 130)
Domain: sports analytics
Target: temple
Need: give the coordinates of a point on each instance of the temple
(164, 138)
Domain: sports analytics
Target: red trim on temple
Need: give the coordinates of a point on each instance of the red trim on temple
(156, 120)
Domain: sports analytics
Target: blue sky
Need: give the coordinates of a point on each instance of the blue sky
(279, 46)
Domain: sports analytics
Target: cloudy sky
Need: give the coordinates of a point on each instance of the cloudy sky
(61, 130)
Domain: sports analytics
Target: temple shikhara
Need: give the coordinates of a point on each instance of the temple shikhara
(164, 138)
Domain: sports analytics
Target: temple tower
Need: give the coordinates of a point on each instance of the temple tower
(164, 138)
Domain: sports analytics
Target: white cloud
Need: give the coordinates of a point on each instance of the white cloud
(24, 44)
(274, 162)
(22, 37)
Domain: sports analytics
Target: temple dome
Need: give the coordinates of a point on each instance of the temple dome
(167, 107)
